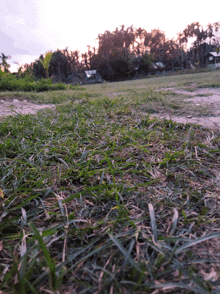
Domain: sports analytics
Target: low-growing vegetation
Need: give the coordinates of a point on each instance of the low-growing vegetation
(10, 82)
(98, 197)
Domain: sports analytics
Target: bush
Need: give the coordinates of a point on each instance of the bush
(2, 73)
(25, 84)
(43, 85)
(58, 86)
(9, 82)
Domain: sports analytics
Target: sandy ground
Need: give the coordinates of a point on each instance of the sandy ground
(14, 106)
(209, 97)
(203, 97)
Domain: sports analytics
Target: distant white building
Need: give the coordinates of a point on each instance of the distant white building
(157, 66)
(213, 60)
(92, 76)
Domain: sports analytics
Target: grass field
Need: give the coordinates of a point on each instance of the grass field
(97, 197)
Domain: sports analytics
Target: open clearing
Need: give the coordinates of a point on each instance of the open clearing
(98, 194)
(198, 105)
(208, 98)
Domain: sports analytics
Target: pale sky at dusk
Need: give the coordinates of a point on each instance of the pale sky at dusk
(29, 28)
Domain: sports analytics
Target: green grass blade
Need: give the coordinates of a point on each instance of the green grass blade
(153, 221)
(49, 261)
(197, 241)
(174, 224)
(173, 285)
(125, 252)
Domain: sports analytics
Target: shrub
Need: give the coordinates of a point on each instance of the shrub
(43, 85)
(9, 82)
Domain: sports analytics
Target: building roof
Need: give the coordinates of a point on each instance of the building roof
(159, 64)
(90, 73)
(215, 54)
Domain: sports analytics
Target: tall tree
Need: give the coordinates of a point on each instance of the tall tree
(154, 42)
(215, 37)
(59, 65)
(173, 55)
(201, 37)
(117, 40)
(85, 60)
(139, 40)
(38, 69)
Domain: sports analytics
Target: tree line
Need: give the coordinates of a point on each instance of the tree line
(125, 52)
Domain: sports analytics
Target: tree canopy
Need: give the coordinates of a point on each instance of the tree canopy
(126, 51)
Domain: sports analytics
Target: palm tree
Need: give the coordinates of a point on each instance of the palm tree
(46, 62)
(139, 39)
(4, 62)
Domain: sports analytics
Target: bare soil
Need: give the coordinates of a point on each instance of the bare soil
(11, 106)
(205, 97)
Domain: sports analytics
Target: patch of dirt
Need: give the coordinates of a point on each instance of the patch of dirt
(16, 106)
(209, 97)
(197, 92)
(212, 122)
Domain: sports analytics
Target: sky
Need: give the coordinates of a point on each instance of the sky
(29, 28)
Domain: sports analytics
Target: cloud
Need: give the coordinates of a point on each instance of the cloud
(18, 20)
(8, 45)
(21, 59)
